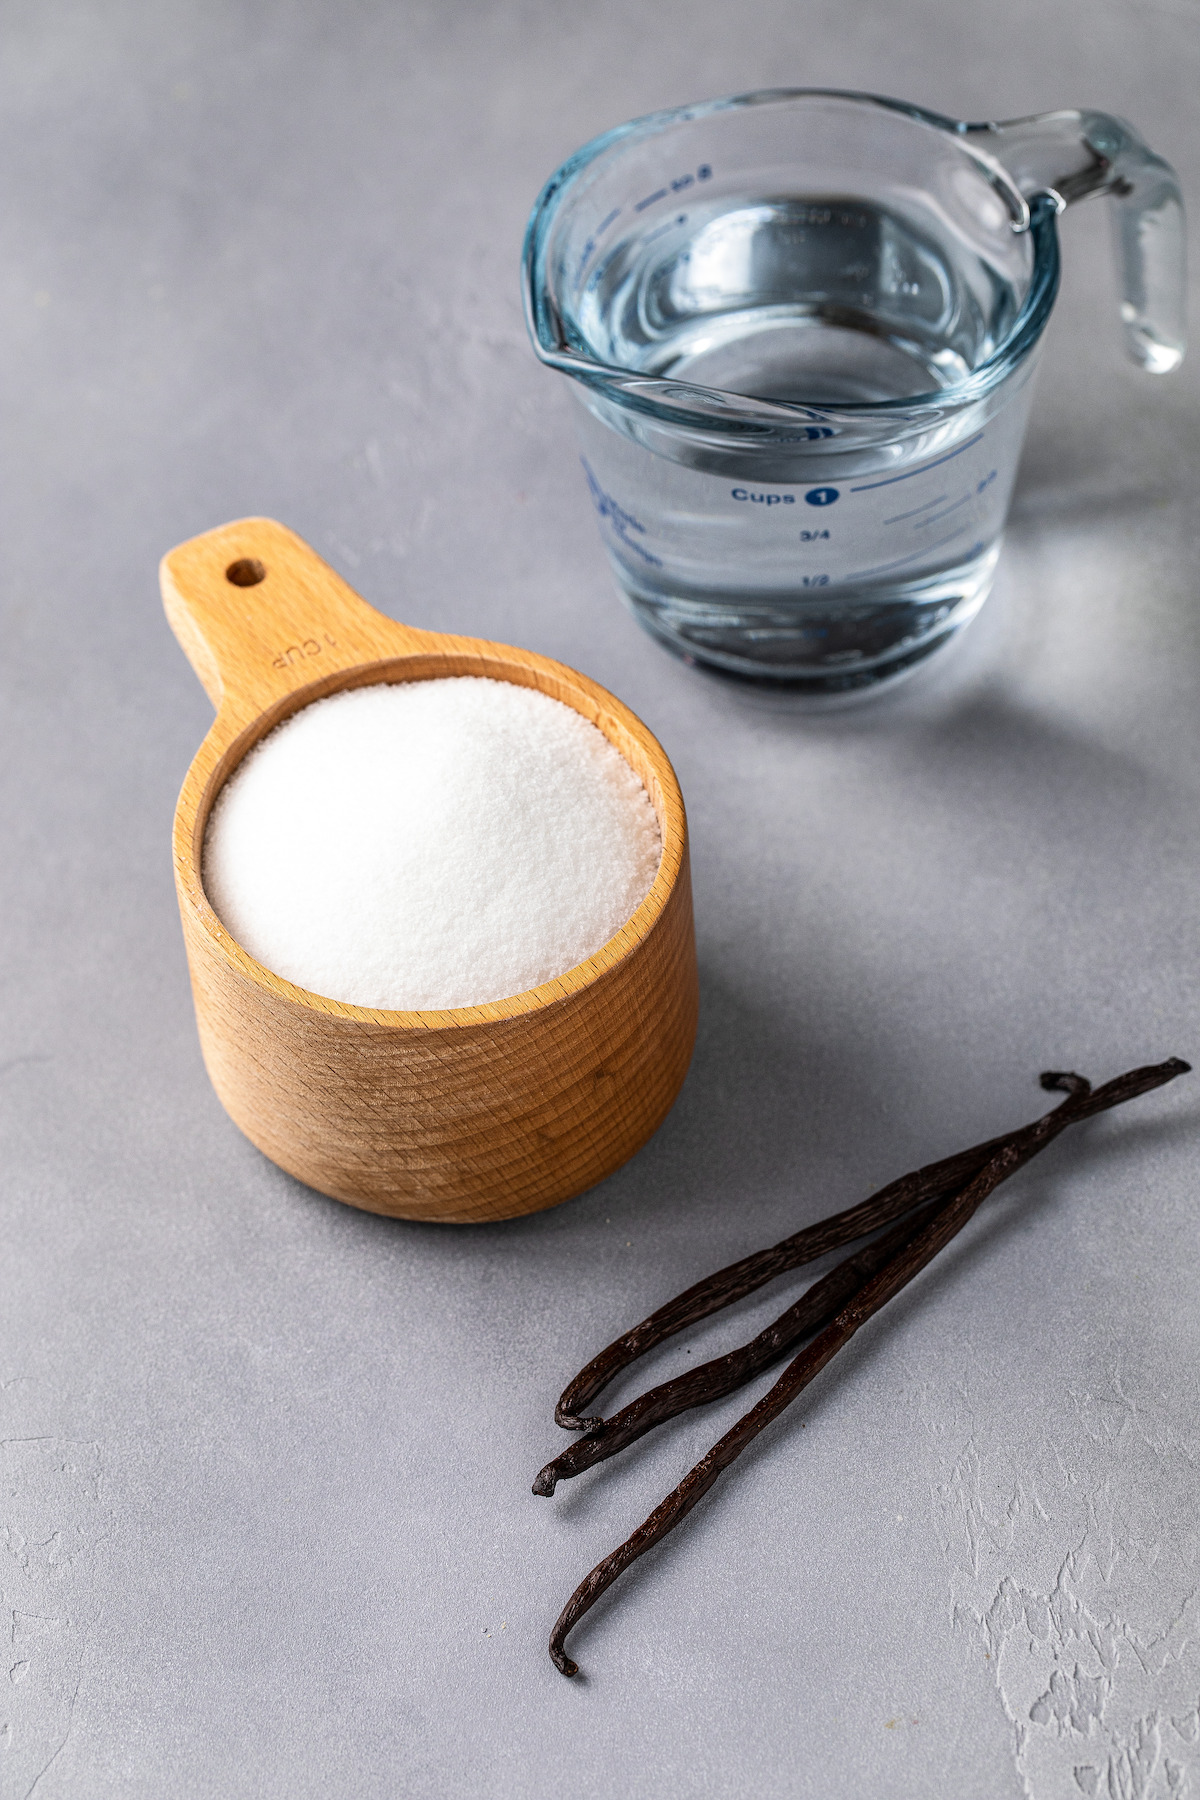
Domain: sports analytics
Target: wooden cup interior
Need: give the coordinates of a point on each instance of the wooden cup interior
(551, 679)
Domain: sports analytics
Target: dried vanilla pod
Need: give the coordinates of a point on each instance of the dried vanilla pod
(910, 1251)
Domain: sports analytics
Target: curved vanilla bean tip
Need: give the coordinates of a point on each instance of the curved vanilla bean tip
(1064, 1081)
(562, 1661)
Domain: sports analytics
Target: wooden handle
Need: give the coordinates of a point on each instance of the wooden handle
(259, 614)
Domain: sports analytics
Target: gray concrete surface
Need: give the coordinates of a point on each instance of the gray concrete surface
(265, 1520)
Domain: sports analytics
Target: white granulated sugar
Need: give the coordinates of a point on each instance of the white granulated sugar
(430, 844)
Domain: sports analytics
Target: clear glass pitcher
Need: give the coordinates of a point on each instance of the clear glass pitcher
(802, 326)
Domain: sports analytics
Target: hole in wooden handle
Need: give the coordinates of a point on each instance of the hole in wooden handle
(246, 572)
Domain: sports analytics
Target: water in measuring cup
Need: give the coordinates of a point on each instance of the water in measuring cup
(835, 562)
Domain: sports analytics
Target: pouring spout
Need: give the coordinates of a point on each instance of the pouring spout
(1071, 155)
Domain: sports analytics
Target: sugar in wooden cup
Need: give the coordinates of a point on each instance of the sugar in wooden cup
(470, 1113)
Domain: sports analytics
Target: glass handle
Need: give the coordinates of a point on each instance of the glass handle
(1070, 155)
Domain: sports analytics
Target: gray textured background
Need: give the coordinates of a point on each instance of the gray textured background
(264, 1489)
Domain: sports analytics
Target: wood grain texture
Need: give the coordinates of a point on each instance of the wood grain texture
(478, 1113)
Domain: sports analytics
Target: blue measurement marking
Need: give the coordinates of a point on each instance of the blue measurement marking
(916, 509)
(703, 173)
(917, 556)
(670, 225)
(622, 522)
(601, 270)
(946, 513)
(923, 470)
(599, 232)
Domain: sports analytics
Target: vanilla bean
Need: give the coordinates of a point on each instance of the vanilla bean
(723, 1375)
(737, 1279)
(713, 1380)
(874, 1293)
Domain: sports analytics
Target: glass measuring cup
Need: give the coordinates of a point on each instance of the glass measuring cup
(802, 325)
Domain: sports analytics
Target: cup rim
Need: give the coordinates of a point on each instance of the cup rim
(233, 735)
(724, 410)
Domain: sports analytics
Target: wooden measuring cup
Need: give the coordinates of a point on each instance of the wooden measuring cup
(478, 1113)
